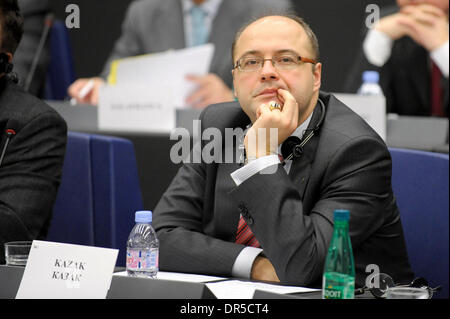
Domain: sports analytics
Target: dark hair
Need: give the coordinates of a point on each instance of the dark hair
(11, 25)
(309, 32)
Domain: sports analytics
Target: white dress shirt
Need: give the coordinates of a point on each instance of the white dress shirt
(377, 49)
(242, 267)
(211, 7)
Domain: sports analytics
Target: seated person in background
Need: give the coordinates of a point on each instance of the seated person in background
(285, 216)
(409, 46)
(34, 14)
(152, 26)
(32, 146)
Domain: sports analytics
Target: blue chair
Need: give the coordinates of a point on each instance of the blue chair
(60, 73)
(73, 211)
(99, 193)
(420, 182)
(117, 192)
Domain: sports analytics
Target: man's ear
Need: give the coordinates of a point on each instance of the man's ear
(234, 84)
(317, 73)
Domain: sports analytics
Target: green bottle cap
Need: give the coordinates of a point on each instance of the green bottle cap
(341, 215)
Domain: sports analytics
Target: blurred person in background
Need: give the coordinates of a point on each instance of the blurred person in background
(152, 26)
(409, 47)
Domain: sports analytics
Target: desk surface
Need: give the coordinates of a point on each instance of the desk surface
(143, 288)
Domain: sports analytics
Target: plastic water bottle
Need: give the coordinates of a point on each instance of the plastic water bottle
(142, 247)
(339, 273)
(370, 84)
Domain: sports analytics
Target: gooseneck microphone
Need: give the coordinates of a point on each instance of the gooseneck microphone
(10, 131)
(48, 24)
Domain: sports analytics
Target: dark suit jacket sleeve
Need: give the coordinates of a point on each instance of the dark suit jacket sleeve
(29, 178)
(179, 218)
(356, 177)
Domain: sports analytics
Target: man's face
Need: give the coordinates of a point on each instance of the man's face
(442, 4)
(266, 38)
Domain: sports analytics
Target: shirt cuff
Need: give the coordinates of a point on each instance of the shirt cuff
(242, 267)
(377, 47)
(241, 175)
(440, 56)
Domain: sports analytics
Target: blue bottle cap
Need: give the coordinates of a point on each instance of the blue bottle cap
(341, 215)
(143, 217)
(371, 77)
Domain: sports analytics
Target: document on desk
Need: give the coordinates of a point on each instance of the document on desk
(165, 275)
(166, 69)
(236, 289)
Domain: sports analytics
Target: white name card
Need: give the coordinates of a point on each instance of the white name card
(136, 108)
(64, 271)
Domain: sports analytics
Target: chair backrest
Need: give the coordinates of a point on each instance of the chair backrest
(117, 192)
(73, 211)
(61, 71)
(420, 182)
(99, 193)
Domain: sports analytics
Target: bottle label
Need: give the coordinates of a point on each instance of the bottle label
(331, 292)
(142, 259)
(338, 286)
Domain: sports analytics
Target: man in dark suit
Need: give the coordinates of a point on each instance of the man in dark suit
(152, 26)
(32, 146)
(267, 221)
(409, 47)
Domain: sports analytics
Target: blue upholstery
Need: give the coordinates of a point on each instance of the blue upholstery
(420, 182)
(117, 192)
(99, 193)
(73, 211)
(61, 71)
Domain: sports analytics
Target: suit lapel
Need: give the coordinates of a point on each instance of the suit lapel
(420, 75)
(301, 167)
(228, 218)
(226, 211)
(168, 20)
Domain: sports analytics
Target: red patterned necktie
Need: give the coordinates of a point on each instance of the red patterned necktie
(436, 91)
(245, 236)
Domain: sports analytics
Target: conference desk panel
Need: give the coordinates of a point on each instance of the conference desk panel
(123, 287)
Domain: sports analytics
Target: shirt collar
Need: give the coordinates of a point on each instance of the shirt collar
(210, 6)
(302, 128)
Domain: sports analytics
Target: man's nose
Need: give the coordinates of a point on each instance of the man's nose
(268, 71)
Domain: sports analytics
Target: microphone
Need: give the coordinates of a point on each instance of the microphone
(48, 24)
(10, 131)
(291, 147)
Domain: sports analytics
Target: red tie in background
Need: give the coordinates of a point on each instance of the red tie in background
(436, 91)
(245, 236)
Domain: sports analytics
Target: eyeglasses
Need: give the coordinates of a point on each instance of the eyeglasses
(281, 62)
(386, 282)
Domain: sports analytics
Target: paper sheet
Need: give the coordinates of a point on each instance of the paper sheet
(236, 289)
(166, 69)
(180, 277)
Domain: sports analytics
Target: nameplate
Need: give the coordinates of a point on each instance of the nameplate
(65, 271)
(136, 108)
